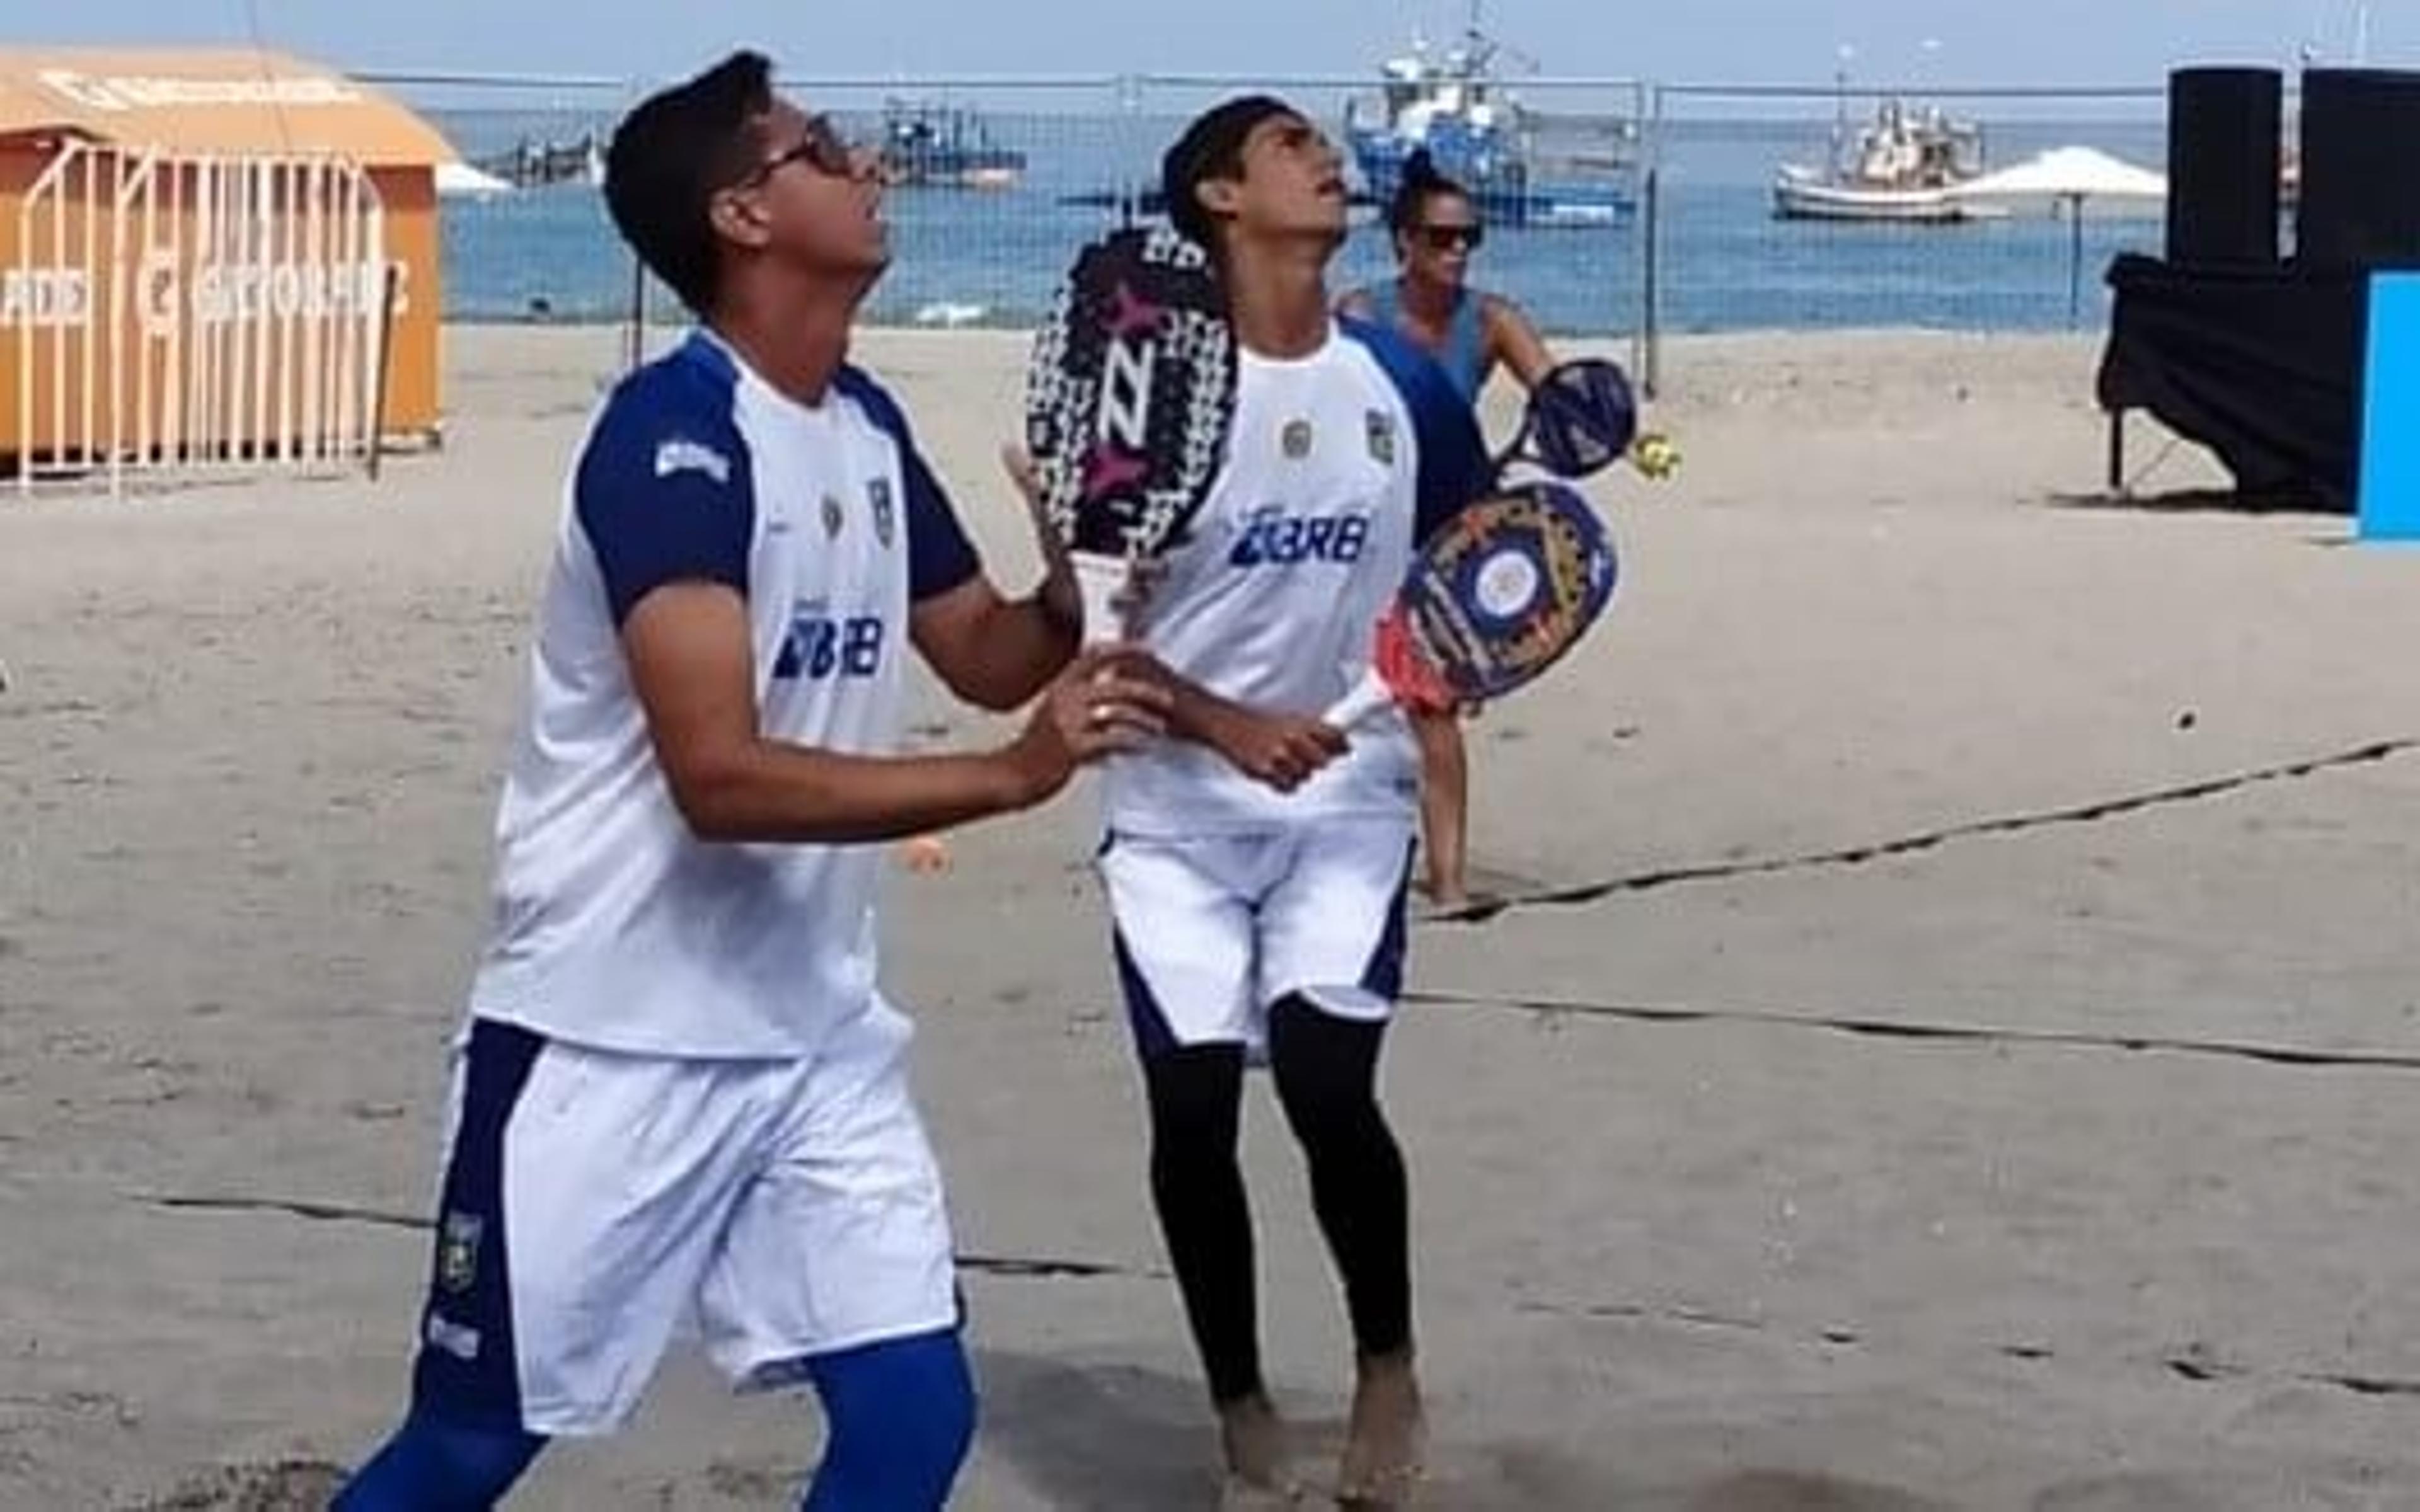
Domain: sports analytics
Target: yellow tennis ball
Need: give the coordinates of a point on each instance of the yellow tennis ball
(1656, 457)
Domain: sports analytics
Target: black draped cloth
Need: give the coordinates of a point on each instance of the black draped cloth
(2261, 365)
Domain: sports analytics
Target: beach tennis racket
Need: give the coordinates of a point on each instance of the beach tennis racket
(1128, 398)
(1510, 583)
(1581, 419)
(1493, 599)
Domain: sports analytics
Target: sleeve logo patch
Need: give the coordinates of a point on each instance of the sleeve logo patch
(680, 455)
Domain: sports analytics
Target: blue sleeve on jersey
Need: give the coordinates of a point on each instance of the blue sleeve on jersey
(939, 556)
(1453, 464)
(663, 490)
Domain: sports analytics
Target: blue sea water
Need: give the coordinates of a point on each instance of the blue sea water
(991, 256)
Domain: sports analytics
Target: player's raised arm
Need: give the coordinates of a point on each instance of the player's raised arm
(690, 667)
(990, 650)
(1514, 342)
(671, 529)
(1282, 750)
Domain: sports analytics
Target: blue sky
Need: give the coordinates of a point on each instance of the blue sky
(1937, 41)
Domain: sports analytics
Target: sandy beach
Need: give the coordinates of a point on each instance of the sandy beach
(1872, 1102)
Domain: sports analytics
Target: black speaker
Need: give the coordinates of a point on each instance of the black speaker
(2361, 170)
(2223, 129)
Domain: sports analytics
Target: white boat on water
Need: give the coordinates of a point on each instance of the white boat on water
(1901, 168)
(926, 144)
(1521, 166)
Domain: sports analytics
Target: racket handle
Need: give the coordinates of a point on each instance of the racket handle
(1366, 697)
(1101, 585)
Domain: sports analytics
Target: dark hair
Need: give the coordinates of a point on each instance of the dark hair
(672, 155)
(1211, 148)
(1421, 183)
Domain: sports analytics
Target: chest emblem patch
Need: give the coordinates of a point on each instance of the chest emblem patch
(877, 493)
(1378, 429)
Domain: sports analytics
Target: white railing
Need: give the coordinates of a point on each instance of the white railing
(181, 312)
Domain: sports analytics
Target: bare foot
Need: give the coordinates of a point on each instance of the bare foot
(1239, 1495)
(1443, 892)
(1386, 1437)
(1254, 1440)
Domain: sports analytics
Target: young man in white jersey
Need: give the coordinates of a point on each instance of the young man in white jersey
(1256, 859)
(680, 1098)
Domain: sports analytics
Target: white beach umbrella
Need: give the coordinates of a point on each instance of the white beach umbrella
(2068, 176)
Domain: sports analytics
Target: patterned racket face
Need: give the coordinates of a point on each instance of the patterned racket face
(1500, 594)
(1582, 418)
(1129, 393)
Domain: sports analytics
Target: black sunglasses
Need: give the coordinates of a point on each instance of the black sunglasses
(823, 149)
(1444, 237)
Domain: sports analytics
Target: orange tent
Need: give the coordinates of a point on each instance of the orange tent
(197, 250)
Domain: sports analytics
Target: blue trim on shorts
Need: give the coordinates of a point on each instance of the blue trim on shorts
(1152, 1036)
(467, 1371)
(1384, 975)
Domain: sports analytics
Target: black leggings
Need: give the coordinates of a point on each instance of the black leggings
(1325, 1068)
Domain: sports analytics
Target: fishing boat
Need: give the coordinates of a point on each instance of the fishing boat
(1521, 166)
(531, 164)
(1899, 167)
(943, 147)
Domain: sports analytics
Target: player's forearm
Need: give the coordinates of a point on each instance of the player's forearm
(1198, 714)
(770, 792)
(1025, 642)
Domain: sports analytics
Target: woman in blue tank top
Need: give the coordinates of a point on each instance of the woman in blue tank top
(1436, 229)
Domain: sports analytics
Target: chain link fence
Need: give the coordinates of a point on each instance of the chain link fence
(1758, 232)
(1646, 210)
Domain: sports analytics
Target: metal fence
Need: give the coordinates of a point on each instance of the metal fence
(1691, 237)
(1748, 238)
(202, 313)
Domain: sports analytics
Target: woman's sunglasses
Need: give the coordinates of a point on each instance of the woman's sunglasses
(1447, 237)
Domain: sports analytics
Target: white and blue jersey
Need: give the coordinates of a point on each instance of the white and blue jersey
(1228, 895)
(1338, 463)
(615, 927)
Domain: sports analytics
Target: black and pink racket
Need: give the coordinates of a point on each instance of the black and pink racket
(1128, 398)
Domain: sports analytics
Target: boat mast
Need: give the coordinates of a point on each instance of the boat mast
(1840, 110)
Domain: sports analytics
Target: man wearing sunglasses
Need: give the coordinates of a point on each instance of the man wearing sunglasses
(680, 1098)
(1470, 334)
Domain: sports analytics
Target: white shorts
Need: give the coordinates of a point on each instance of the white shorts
(1213, 930)
(595, 1204)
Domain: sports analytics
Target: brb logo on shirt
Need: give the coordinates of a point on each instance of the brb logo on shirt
(1272, 538)
(821, 646)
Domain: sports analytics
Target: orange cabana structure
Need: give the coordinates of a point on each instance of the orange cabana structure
(210, 259)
